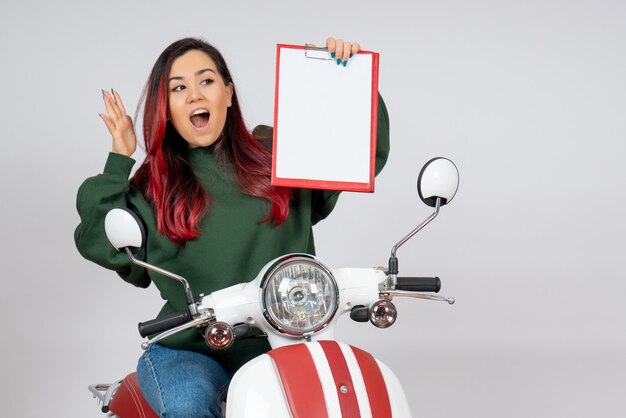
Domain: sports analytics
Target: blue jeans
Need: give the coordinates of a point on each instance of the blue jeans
(179, 383)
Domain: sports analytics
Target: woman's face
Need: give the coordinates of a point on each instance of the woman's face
(198, 98)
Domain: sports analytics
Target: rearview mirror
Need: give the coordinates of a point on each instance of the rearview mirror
(124, 229)
(437, 184)
(439, 178)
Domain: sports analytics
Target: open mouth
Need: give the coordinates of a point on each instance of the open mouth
(200, 118)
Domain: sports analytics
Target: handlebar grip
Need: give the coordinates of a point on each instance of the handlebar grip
(164, 323)
(419, 284)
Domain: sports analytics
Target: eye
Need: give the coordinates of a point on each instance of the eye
(178, 88)
(207, 81)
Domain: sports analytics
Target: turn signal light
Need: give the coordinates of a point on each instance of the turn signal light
(219, 336)
(383, 314)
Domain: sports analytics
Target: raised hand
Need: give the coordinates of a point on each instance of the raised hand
(119, 124)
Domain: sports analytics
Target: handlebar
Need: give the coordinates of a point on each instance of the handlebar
(419, 284)
(164, 323)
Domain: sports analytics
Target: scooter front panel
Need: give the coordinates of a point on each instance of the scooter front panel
(397, 398)
(255, 391)
(316, 380)
(347, 378)
(375, 384)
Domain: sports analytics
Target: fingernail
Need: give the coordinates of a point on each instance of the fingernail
(344, 63)
(338, 61)
(351, 55)
(332, 55)
(112, 92)
(102, 90)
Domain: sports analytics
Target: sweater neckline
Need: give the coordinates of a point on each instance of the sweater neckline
(201, 154)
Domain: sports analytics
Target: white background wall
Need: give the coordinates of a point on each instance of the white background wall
(528, 98)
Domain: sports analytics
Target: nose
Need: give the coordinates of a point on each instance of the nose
(193, 94)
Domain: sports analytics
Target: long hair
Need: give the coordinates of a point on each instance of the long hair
(166, 176)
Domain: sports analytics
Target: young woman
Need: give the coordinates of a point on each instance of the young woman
(203, 194)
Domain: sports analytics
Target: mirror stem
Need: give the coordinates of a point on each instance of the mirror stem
(393, 260)
(418, 228)
(180, 279)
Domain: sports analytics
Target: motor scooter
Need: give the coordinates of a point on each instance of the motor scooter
(296, 301)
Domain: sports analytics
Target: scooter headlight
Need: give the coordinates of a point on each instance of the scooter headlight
(299, 295)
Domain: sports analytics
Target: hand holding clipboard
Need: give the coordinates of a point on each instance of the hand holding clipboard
(341, 51)
(325, 117)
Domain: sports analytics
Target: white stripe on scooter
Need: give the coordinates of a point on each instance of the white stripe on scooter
(326, 379)
(357, 380)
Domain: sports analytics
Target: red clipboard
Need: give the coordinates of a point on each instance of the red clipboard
(325, 120)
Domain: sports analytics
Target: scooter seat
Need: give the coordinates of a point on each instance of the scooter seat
(128, 401)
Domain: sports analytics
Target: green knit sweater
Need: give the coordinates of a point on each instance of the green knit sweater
(232, 248)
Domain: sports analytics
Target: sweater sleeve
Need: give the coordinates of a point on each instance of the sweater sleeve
(96, 196)
(324, 200)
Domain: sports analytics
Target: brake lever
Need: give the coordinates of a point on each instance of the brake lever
(205, 318)
(389, 295)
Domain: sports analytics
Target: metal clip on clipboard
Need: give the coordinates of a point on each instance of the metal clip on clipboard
(316, 52)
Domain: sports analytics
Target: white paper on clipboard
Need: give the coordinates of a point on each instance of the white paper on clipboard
(325, 120)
